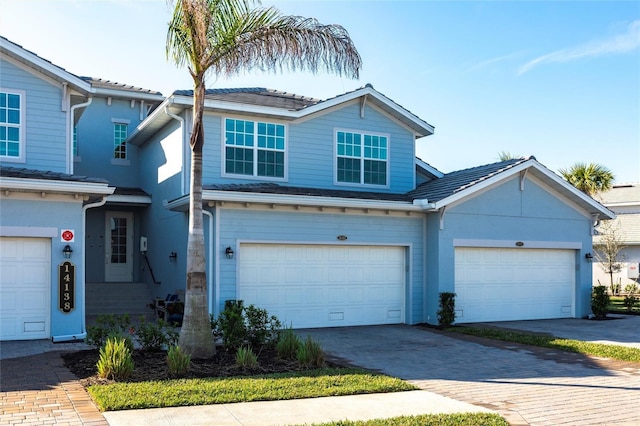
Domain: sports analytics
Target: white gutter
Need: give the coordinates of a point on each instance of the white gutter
(182, 145)
(70, 130)
(129, 199)
(44, 185)
(210, 262)
(83, 316)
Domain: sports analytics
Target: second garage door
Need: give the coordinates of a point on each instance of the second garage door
(322, 285)
(495, 284)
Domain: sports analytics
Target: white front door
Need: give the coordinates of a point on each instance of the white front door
(119, 247)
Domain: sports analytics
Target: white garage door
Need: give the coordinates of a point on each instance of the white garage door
(25, 270)
(324, 286)
(513, 284)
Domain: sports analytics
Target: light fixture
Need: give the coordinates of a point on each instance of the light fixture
(229, 253)
(173, 256)
(67, 251)
(589, 257)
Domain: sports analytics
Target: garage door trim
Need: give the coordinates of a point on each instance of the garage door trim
(551, 245)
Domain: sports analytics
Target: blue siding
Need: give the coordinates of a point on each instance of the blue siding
(311, 158)
(45, 123)
(506, 213)
(59, 215)
(305, 227)
(96, 142)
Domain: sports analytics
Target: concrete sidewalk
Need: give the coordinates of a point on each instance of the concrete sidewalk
(297, 411)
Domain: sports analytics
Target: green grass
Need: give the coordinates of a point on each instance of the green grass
(621, 353)
(183, 392)
(462, 419)
(616, 306)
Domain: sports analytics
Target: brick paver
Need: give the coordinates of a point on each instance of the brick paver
(39, 390)
(526, 385)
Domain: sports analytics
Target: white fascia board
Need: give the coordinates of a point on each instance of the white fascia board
(129, 199)
(157, 114)
(45, 65)
(429, 168)
(127, 94)
(297, 200)
(41, 185)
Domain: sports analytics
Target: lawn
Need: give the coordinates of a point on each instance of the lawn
(463, 419)
(621, 353)
(616, 306)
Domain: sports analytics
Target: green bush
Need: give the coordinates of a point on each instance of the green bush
(246, 358)
(106, 326)
(288, 344)
(447, 311)
(310, 354)
(115, 360)
(151, 335)
(631, 288)
(179, 361)
(630, 301)
(249, 326)
(599, 301)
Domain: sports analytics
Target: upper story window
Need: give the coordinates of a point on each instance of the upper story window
(362, 158)
(254, 148)
(11, 125)
(119, 136)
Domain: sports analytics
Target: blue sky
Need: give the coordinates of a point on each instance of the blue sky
(556, 79)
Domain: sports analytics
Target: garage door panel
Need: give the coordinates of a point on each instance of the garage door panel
(512, 284)
(342, 285)
(25, 269)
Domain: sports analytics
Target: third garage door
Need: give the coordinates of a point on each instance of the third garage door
(324, 285)
(498, 284)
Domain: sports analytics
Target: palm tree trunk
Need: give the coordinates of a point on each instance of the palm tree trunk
(196, 337)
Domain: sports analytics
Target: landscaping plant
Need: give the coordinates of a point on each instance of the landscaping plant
(631, 298)
(151, 335)
(179, 361)
(106, 326)
(310, 354)
(447, 311)
(599, 301)
(246, 358)
(240, 325)
(115, 360)
(288, 344)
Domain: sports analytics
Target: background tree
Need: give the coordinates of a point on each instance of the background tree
(506, 155)
(607, 250)
(224, 37)
(589, 178)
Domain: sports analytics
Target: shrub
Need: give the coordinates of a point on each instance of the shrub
(310, 354)
(249, 326)
(447, 311)
(106, 326)
(630, 301)
(246, 358)
(631, 288)
(599, 301)
(115, 360)
(178, 361)
(288, 344)
(151, 335)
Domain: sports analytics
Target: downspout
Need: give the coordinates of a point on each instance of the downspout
(83, 328)
(70, 142)
(210, 262)
(181, 120)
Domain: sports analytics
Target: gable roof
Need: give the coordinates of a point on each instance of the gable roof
(269, 103)
(621, 195)
(628, 229)
(457, 185)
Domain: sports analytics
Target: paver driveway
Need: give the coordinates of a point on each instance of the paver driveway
(525, 385)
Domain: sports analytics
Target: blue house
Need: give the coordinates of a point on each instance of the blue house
(316, 210)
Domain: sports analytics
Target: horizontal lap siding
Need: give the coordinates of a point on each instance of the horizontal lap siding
(45, 124)
(264, 226)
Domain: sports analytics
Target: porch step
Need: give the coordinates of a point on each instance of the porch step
(118, 299)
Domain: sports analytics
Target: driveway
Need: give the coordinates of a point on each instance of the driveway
(527, 386)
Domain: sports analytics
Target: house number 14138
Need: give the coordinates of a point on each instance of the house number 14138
(67, 284)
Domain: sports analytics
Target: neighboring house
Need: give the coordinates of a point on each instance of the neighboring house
(624, 200)
(316, 210)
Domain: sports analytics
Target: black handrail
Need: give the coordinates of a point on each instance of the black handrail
(151, 270)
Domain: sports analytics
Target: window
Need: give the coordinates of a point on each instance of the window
(254, 148)
(11, 126)
(361, 158)
(119, 136)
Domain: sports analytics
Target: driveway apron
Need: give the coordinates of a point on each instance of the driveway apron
(526, 385)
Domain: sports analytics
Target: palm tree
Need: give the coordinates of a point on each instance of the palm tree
(589, 178)
(506, 156)
(224, 37)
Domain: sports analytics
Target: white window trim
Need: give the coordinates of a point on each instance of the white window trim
(22, 133)
(362, 184)
(254, 176)
(125, 160)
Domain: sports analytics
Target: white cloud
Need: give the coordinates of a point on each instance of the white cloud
(618, 44)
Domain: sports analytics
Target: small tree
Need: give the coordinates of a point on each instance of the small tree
(607, 249)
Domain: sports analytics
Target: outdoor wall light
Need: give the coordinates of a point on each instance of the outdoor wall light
(173, 256)
(589, 257)
(229, 253)
(67, 251)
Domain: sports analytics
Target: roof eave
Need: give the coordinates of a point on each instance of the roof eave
(57, 186)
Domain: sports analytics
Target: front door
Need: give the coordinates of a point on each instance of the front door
(119, 247)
